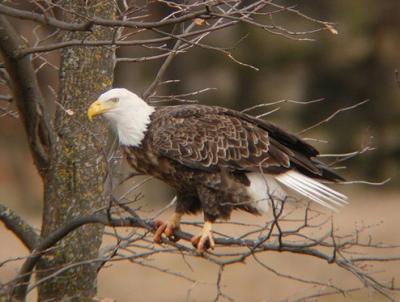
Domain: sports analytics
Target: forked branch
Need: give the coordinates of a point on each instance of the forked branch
(27, 95)
(25, 232)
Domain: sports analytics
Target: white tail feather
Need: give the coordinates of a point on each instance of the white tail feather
(321, 190)
(262, 188)
(312, 189)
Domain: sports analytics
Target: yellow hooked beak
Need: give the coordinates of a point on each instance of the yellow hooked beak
(97, 108)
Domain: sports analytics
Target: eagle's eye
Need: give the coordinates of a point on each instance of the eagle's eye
(114, 100)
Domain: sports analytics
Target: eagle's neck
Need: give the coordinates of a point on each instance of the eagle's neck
(131, 122)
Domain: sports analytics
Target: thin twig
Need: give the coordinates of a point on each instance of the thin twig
(153, 86)
(332, 116)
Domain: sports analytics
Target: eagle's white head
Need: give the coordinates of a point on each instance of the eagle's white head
(127, 113)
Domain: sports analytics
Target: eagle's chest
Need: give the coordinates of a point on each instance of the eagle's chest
(144, 160)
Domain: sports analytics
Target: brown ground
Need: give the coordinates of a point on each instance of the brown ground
(124, 281)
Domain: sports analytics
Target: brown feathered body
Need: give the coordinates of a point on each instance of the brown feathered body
(209, 153)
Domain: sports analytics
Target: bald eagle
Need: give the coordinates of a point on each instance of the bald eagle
(216, 159)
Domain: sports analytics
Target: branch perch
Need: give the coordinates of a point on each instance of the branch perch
(264, 243)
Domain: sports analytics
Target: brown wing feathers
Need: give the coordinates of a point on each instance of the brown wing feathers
(299, 152)
(210, 138)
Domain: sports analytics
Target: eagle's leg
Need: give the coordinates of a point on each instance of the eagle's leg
(167, 228)
(205, 239)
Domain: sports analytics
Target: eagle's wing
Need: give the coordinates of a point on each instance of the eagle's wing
(211, 138)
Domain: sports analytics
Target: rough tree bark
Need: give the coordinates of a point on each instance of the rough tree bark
(74, 182)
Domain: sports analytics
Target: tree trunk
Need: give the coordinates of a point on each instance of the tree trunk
(74, 183)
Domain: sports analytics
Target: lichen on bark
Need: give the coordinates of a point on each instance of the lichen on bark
(74, 183)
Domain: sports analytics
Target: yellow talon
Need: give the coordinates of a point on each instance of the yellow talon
(167, 228)
(205, 239)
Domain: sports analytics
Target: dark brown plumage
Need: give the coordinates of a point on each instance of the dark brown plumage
(204, 153)
(218, 159)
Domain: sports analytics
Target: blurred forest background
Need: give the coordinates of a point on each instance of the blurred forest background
(357, 64)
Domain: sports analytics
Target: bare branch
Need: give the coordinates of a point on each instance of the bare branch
(19, 227)
(8, 112)
(153, 86)
(88, 25)
(22, 281)
(6, 98)
(333, 115)
(27, 95)
(370, 183)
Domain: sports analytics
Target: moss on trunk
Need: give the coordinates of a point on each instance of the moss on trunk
(74, 183)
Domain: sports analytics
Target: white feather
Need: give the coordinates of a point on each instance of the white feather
(262, 188)
(130, 116)
(321, 190)
(312, 189)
